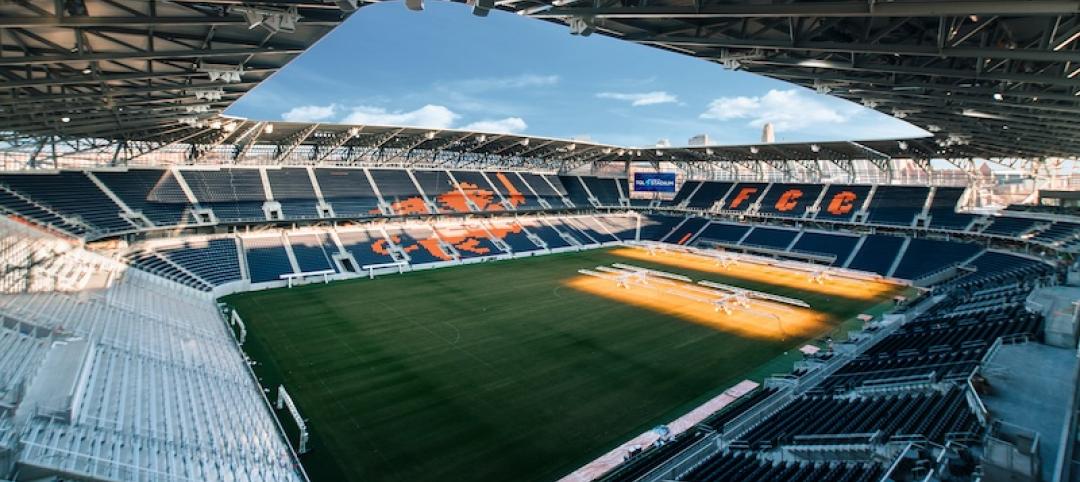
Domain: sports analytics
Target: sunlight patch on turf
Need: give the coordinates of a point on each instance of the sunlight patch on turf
(759, 273)
(767, 323)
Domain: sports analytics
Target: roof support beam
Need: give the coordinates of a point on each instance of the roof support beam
(943, 8)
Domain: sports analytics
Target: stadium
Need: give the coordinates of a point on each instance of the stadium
(191, 295)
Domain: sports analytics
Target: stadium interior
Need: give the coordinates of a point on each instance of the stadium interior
(923, 309)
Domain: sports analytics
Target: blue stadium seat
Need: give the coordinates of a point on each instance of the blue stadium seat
(514, 190)
(366, 247)
(312, 252)
(925, 256)
(708, 194)
(292, 188)
(1010, 226)
(789, 200)
(267, 259)
(399, 191)
(684, 192)
(655, 227)
(724, 232)
(575, 191)
(71, 194)
(841, 202)
(837, 245)
(134, 188)
(943, 213)
(548, 234)
(897, 205)
(685, 233)
(215, 260)
(743, 196)
(770, 238)
(877, 253)
(348, 191)
(604, 189)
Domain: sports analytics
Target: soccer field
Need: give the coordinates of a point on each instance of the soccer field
(501, 370)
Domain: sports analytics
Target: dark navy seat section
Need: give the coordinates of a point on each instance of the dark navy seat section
(841, 202)
(225, 185)
(827, 244)
(73, 195)
(744, 195)
(897, 205)
(686, 232)
(575, 191)
(366, 247)
(724, 232)
(877, 253)
(16, 205)
(546, 233)
(292, 188)
(623, 227)
(267, 259)
(789, 200)
(134, 188)
(312, 252)
(560, 190)
(477, 188)
(685, 191)
(943, 213)
(233, 194)
(399, 191)
(439, 188)
(770, 238)
(708, 194)
(348, 192)
(1010, 226)
(574, 231)
(604, 189)
(1059, 232)
(513, 189)
(514, 236)
(215, 261)
(925, 256)
(542, 189)
(655, 227)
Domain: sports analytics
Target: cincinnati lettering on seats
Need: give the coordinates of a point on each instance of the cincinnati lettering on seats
(842, 203)
(744, 194)
(789, 200)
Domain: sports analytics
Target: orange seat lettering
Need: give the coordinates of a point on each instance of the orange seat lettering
(842, 203)
(788, 200)
(744, 194)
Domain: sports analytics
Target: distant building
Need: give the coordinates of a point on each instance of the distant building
(768, 135)
(699, 140)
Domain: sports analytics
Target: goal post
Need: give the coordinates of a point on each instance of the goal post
(285, 401)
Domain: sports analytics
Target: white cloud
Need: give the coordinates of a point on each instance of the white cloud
(433, 116)
(310, 113)
(482, 84)
(509, 125)
(641, 98)
(786, 109)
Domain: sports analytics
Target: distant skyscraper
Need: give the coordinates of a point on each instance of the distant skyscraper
(768, 136)
(699, 140)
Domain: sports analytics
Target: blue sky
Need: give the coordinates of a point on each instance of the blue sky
(445, 68)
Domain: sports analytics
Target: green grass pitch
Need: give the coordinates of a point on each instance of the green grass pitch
(492, 371)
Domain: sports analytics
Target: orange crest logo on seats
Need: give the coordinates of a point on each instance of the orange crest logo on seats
(789, 200)
(842, 203)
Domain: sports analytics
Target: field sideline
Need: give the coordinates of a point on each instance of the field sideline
(499, 370)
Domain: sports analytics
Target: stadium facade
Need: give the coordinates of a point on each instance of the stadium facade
(132, 204)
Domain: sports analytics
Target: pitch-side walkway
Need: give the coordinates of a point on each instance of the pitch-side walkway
(613, 458)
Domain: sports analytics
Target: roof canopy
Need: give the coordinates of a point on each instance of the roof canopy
(990, 79)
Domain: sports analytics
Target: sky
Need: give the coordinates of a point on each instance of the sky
(444, 68)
